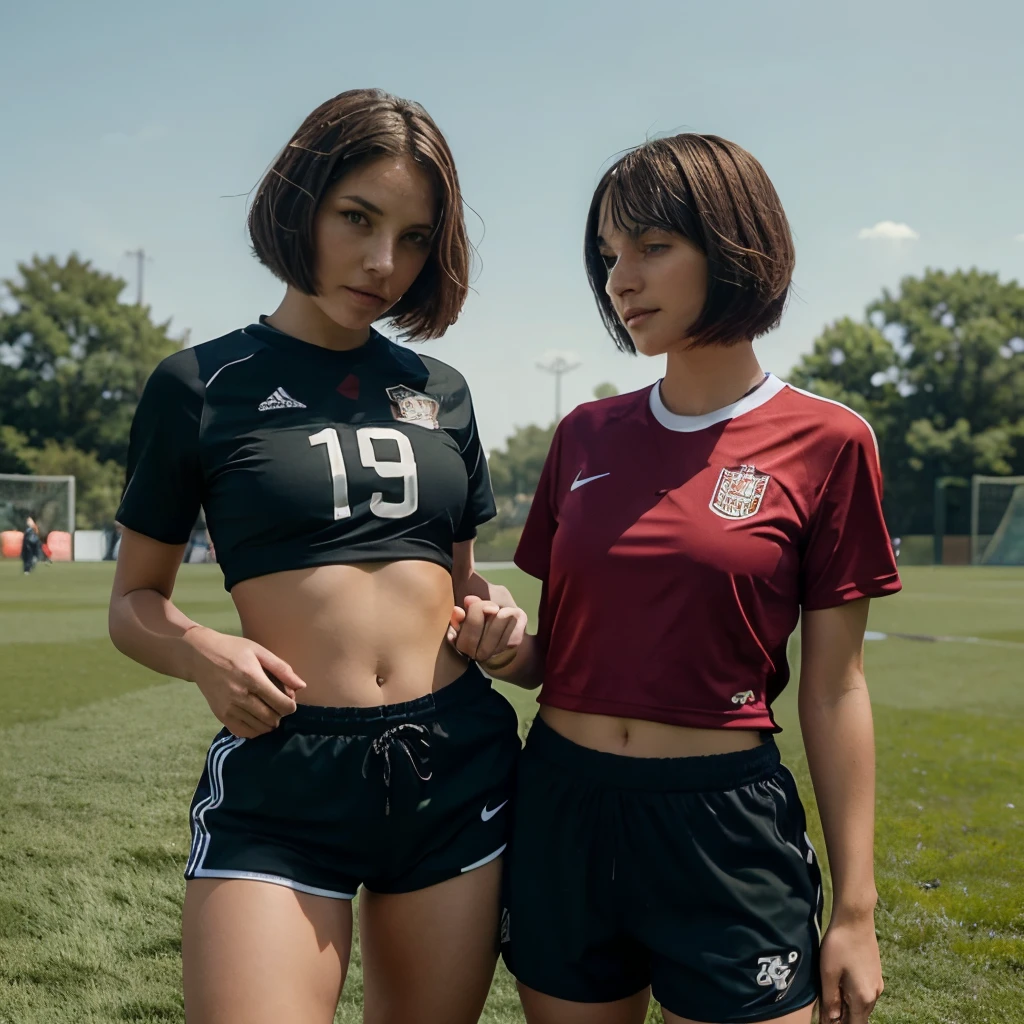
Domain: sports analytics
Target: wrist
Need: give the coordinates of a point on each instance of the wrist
(854, 912)
(191, 653)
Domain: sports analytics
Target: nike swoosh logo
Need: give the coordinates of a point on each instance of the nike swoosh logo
(586, 480)
(486, 815)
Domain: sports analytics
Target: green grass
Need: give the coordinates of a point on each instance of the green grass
(100, 757)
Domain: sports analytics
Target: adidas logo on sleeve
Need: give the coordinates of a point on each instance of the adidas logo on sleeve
(280, 399)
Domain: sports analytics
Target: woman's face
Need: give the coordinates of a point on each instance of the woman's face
(657, 283)
(373, 235)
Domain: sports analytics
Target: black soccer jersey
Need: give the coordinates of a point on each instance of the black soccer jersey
(304, 456)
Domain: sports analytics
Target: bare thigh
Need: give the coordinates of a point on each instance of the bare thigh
(257, 953)
(542, 1009)
(429, 956)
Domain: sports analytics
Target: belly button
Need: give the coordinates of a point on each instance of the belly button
(381, 680)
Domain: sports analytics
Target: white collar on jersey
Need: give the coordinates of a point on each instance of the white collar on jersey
(687, 424)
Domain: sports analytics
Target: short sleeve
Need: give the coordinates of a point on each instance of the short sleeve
(480, 499)
(533, 554)
(848, 554)
(163, 489)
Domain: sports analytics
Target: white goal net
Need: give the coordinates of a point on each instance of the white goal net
(49, 500)
(997, 520)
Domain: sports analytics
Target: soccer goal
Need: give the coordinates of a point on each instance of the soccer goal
(997, 520)
(49, 500)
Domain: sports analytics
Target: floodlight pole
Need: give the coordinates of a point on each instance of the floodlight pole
(140, 257)
(558, 366)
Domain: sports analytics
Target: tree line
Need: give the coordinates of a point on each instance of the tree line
(937, 368)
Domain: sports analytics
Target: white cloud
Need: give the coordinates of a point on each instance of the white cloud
(1019, 238)
(890, 231)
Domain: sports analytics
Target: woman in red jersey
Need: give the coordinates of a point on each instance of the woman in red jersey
(681, 532)
(342, 478)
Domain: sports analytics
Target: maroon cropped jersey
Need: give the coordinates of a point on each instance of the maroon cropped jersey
(677, 551)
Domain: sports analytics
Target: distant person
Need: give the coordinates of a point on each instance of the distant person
(680, 533)
(31, 546)
(896, 548)
(343, 480)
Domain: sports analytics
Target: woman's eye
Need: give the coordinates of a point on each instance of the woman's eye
(655, 247)
(354, 217)
(418, 238)
(608, 260)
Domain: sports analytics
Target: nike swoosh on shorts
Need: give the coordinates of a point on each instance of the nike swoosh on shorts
(486, 815)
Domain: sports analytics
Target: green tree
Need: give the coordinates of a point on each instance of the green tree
(73, 357)
(605, 390)
(12, 449)
(938, 370)
(516, 470)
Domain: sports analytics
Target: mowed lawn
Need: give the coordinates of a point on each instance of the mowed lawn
(99, 757)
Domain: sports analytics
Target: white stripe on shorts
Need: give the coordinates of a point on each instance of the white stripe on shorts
(215, 746)
(260, 876)
(485, 860)
(215, 761)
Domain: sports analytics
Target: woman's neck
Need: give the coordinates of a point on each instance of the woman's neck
(299, 316)
(701, 380)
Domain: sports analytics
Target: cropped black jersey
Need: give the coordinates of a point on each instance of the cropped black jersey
(304, 456)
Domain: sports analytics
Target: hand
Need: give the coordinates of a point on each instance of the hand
(248, 688)
(851, 972)
(482, 630)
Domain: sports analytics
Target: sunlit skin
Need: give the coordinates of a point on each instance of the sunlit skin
(373, 236)
(657, 284)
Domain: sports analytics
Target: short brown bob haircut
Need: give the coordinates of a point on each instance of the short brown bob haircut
(716, 195)
(352, 129)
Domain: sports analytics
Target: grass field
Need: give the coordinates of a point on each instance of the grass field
(99, 757)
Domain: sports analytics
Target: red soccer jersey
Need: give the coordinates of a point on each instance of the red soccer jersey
(677, 551)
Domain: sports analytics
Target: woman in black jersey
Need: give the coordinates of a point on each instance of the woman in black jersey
(680, 533)
(342, 480)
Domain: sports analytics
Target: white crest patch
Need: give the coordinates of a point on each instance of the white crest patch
(774, 970)
(412, 407)
(739, 492)
(744, 697)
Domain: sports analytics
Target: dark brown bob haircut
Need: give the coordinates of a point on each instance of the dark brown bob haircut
(716, 195)
(340, 135)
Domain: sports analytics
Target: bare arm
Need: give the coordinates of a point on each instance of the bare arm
(487, 624)
(143, 622)
(835, 718)
(234, 674)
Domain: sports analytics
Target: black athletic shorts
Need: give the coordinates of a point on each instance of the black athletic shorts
(693, 875)
(395, 798)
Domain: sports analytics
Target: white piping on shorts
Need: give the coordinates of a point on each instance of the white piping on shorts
(215, 766)
(226, 365)
(485, 860)
(216, 744)
(259, 876)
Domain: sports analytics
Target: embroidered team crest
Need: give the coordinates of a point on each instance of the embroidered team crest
(739, 492)
(747, 696)
(772, 971)
(412, 407)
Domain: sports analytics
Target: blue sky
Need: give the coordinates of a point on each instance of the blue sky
(126, 124)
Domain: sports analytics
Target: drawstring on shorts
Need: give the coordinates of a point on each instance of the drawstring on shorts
(382, 745)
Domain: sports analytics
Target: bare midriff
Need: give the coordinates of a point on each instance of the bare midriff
(357, 635)
(635, 737)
